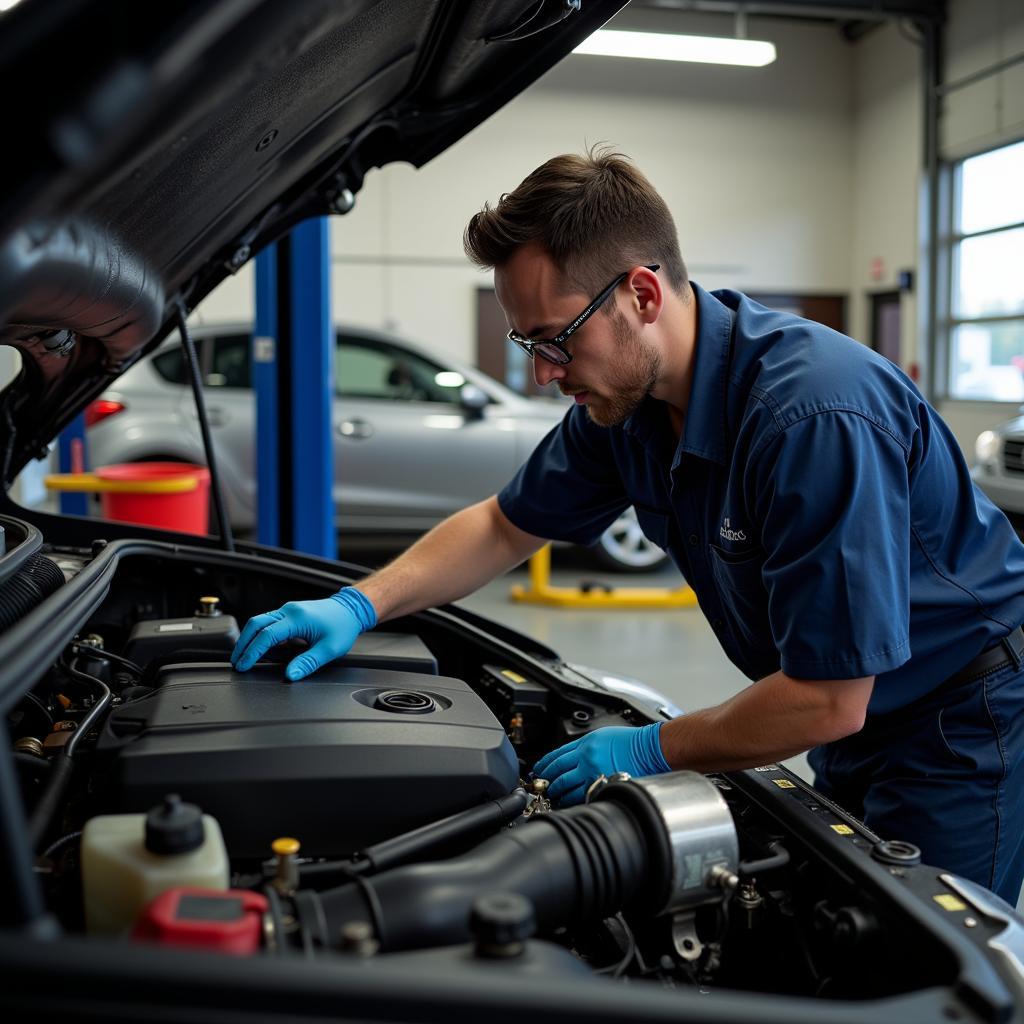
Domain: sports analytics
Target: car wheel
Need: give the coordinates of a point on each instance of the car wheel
(624, 548)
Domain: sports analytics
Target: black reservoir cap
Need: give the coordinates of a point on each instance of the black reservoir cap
(174, 827)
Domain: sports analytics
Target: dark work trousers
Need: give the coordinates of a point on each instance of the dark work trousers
(946, 775)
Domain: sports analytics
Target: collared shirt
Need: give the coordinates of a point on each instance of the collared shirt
(815, 502)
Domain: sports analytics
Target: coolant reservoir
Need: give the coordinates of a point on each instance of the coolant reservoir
(130, 859)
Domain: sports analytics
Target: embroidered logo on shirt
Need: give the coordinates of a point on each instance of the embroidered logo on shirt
(729, 533)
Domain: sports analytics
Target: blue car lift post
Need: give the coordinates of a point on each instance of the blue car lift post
(72, 459)
(293, 382)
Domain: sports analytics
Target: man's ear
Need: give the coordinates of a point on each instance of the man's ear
(648, 297)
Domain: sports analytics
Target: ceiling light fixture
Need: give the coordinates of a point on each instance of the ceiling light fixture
(751, 53)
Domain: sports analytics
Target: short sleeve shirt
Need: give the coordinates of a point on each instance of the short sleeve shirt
(815, 502)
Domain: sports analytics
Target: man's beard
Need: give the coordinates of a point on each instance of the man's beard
(629, 382)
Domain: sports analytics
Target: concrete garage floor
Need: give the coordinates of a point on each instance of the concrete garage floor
(672, 650)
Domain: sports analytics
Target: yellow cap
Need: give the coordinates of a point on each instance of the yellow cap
(285, 846)
(209, 600)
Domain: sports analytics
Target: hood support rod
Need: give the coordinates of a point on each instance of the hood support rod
(227, 540)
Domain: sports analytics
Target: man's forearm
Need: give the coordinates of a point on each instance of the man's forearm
(770, 720)
(459, 555)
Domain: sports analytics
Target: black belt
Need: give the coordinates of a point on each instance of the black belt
(1009, 651)
(999, 655)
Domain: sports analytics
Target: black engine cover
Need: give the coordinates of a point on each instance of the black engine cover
(339, 761)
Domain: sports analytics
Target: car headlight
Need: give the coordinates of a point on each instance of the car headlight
(986, 448)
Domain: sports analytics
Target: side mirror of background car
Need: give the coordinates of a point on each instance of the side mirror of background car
(473, 400)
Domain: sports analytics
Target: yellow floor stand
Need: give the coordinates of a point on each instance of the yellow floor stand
(540, 591)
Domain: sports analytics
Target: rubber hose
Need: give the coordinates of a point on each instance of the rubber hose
(46, 807)
(37, 764)
(578, 865)
(29, 587)
(63, 766)
(428, 840)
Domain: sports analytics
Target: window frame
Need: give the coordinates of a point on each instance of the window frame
(389, 348)
(952, 239)
(209, 354)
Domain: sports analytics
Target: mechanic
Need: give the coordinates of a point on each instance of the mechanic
(815, 502)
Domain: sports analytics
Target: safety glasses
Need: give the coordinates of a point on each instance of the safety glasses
(553, 349)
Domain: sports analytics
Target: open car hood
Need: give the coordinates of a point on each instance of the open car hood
(156, 155)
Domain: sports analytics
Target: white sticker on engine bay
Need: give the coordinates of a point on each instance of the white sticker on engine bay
(175, 627)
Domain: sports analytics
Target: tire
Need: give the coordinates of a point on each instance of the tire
(624, 548)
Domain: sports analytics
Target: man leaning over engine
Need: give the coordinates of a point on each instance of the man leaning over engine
(815, 502)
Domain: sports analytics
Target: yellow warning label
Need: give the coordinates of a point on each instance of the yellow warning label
(784, 783)
(949, 902)
(514, 676)
(843, 830)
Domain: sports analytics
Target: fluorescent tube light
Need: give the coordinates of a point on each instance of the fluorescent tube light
(750, 53)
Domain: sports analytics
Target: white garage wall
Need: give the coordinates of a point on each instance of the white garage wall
(886, 130)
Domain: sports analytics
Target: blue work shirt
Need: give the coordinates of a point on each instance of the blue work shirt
(815, 502)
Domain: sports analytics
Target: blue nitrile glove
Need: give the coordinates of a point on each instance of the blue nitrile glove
(330, 627)
(572, 768)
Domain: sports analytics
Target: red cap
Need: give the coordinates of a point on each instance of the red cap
(223, 921)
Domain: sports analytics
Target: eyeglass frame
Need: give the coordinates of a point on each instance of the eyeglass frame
(531, 345)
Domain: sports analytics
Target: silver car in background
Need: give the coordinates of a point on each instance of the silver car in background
(999, 468)
(415, 438)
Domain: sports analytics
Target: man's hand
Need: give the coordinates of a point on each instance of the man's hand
(572, 768)
(330, 627)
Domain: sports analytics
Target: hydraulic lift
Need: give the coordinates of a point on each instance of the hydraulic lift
(293, 385)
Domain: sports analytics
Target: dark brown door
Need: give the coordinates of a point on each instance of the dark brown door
(885, 324)
(495, 354)
(829, 310)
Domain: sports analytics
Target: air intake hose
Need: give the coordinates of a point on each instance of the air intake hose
(29, 587)
(625, 849)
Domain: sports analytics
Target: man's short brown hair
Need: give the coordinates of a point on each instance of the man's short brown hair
(596, 215)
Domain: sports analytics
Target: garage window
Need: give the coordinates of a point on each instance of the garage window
(987, 295)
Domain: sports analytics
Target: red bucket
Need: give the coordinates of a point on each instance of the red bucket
(184, 511)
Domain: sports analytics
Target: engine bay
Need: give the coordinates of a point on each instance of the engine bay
(382, 811)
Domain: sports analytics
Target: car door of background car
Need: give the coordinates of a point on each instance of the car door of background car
(407, 452)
